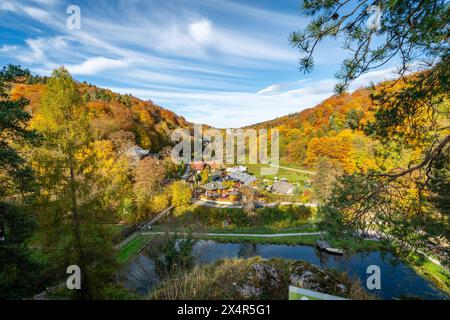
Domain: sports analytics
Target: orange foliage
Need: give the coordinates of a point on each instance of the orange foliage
(336, 149)
(111, 112)
(31, 92)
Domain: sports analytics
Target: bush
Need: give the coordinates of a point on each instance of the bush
(160, 202)
(11, 72)
(127, 210)
(275, 218)
(172, 255)
(286, 216)
(218, 218)
(255, 279)
(181, 194)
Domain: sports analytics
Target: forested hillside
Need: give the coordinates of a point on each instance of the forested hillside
(111, 114)
(65, 147)
(337, 130)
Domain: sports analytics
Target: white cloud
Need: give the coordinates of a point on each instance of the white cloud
(201, 30)
(254, 13)
(238, 109)
(188, 35)
(274, 88)
(226, 109)
(8, 48)
(45, 2)
(8, 6)
(38, 48)
(36, 13)
(251, 48)
(374, 76)
(175, 57)
(96, 65)
(280, 87)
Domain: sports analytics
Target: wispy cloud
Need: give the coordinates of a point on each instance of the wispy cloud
(218, 62)
(201, 30)
(280, 87)
(96, 65)
(37, 48)
(237, 109)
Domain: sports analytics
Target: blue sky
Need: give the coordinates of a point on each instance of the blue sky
(220, 62)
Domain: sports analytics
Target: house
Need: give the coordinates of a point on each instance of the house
(242, 177)
(200, 165)
(237, 169)
(213, 186)
(157, 155)
(283, 187)
(136, 153)
(213, 189)
(187, 174)
(216, 175)
(234, 196)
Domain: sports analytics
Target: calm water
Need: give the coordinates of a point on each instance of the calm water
(397, 279)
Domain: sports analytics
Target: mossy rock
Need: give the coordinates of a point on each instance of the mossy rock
(257, 278)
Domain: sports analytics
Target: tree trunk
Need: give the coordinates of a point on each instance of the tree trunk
(84, 292)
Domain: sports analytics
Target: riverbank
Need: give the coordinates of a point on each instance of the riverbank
(256, 278)
(427, 269)
(132, 247)
(438, 275)
(289, 238)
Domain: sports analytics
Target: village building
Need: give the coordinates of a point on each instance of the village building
(242, 177)
(216, 175)
(237, 169)
(283, 187)
(212, 187)
(136, 154)
(200, 165)
(218, 192)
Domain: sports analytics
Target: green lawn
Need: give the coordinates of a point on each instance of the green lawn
(132, 248)
(117, 228)
(303, 240)
(433, 272)
(294, 240)
(291, 176)
(253, 230)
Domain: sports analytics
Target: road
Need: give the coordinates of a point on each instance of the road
(258, 205)
(255, 235)
(292, 169)
(217, 205)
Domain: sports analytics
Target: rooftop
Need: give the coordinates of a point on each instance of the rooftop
(243, 177)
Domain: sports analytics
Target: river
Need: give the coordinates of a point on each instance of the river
(397, 279)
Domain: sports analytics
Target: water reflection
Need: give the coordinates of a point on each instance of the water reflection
(397, 279)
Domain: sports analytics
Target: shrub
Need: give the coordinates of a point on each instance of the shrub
(181, 194)
(160, 202)
(172, 255)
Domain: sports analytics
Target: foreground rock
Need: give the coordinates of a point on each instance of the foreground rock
(256, 278)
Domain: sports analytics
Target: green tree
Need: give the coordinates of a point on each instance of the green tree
(181, 194)
(19, 268)
(412, 112)
(11, 72)
(148, 177)
(326, 175)
(172, 255)
(440, 183)
(72, 215)
(204, 174)
(160, 202)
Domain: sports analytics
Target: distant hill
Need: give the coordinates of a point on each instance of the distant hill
(333, 129)
(336, 112)
(111, 112)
